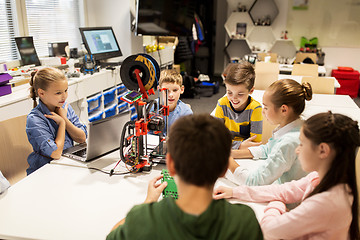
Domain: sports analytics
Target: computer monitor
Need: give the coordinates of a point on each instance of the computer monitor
(58, 49)
(100, 42)
(27, 51)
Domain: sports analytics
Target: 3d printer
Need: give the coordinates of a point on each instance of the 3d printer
(140, 74)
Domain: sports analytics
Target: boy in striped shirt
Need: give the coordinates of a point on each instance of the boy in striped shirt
(239, 111)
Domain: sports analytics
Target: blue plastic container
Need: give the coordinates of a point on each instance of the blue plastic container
(132, 109)
(110, 111)
(94, 102)
(96, 117)
(109, 96)
(123, 107)
(133, 117)
(120, 89)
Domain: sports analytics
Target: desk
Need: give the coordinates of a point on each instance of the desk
(18, 103)
(324, 102)
(72, 202)
(287, 69)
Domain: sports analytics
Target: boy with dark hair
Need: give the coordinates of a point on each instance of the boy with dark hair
(239, 111)
(198, 152)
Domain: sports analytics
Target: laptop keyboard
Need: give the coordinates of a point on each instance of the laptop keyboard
(80, 153)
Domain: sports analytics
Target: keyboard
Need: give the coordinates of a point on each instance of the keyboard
(80, 153)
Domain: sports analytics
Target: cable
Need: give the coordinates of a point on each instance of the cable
(93, 168)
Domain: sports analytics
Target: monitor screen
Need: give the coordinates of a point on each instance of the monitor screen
(27, 51)
(165, 18)
(100, 42)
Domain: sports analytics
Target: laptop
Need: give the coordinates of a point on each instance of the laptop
(104, 137)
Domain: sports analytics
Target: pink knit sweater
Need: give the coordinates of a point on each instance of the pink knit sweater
(326, 215)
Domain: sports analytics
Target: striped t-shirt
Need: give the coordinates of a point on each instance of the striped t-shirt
(242, 124)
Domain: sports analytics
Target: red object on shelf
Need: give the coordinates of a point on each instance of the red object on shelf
(349, 81)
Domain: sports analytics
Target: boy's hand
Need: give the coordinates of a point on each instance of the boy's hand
(222, 192)
(155, 189)
(58, 119)
(249, 143)
(62, 111)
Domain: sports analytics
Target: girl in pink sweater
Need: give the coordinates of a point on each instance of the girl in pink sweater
(327, 196)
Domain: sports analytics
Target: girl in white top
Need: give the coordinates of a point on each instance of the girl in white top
(283, 102)
(328, 196)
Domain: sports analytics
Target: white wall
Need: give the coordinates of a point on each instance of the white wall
(336, 56)
(115, 13)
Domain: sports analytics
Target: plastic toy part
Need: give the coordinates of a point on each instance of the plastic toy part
(171, 189)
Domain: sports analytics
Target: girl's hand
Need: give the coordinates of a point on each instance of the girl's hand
(58, 119)
(62, 111)
(232, 164)
(249, 143)
(155, 189)
(222, 192)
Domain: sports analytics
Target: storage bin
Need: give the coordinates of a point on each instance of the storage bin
(96, 116)
(110, 111)
(133, 117)
(132, 109)
(94, 102)
(349, 81)
(119, 98)
(109, 96)
(120, 89)
(122, 107)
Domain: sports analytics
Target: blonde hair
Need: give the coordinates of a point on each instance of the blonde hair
(42, 79)
(240, 73)
(290, 93)
(170, 76)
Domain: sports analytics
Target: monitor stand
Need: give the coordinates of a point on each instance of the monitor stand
(117, 61)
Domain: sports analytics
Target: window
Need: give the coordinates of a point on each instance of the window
(8, 30)
(53, 21)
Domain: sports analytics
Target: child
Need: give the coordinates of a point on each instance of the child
(172, 81)
(283, 102)
(328, 196)
(52, 125)
(195, 215)
(240, 112)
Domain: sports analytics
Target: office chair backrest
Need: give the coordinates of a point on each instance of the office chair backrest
(305, 70)
(321, 85)
(273, 57)
(265, 74)
(14, 148)
(300, 57)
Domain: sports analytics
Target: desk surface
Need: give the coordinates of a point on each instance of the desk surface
(68, 202)
(288, 68)
(299, 78)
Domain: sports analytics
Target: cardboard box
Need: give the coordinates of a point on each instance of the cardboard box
(168, 41)
(176, 67)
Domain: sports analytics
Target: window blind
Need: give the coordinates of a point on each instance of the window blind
(8, 30)
(53, 21)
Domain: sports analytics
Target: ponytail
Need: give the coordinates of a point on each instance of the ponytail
(32, 88)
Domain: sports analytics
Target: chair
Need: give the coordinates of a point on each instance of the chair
(273, 57)
(267, 130)
(322, 85)
(14, 149)
(265, 74)
(300, 56)
(305, 70)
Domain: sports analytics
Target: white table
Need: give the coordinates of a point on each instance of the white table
(66, 200)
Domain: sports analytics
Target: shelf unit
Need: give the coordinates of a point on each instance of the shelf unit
(258, 38)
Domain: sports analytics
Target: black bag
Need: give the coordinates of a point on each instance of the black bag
(189, 87)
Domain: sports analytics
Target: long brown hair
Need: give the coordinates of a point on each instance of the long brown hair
(42, 79)
(342, 133)
(290, 93)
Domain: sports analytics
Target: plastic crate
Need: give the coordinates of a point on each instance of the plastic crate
(119, 98)
(96, 117)
(94, 102)
(349, 81)
(132, 109)
(133, 117)
(121, 89)
(122, 107)
(110, 111)
(109, 96)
